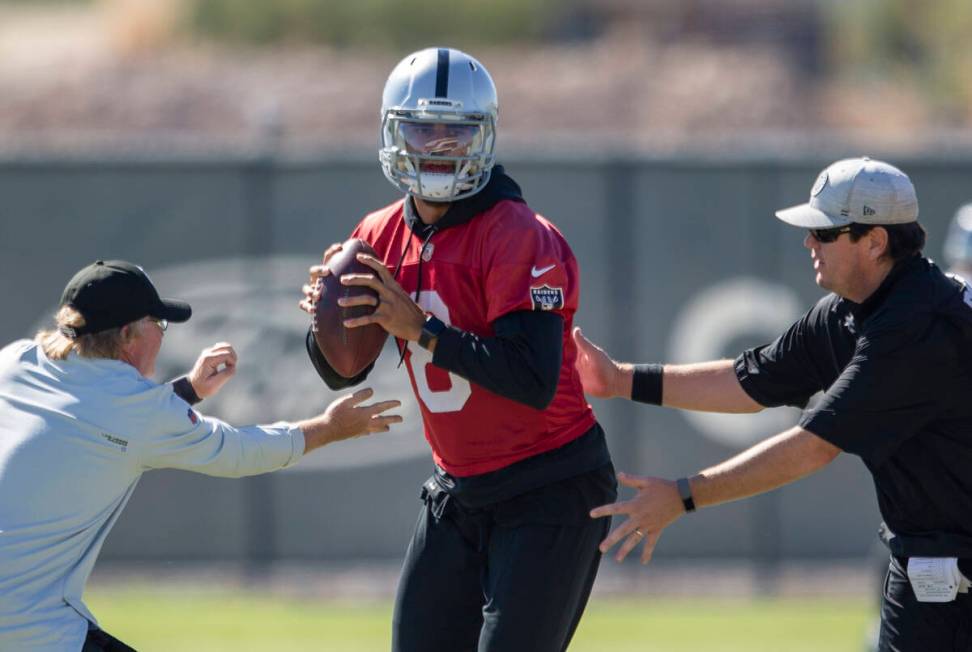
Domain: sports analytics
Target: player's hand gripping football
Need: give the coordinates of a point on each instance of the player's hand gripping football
(656, 506)
(395, 310)
(214, 367)
(312, 289)
(601, 376)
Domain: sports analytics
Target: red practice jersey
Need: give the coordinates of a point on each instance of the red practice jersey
(505, 259)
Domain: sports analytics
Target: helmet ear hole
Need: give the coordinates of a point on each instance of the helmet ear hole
(438, 125)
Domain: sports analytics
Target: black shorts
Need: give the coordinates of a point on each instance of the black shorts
(510, 576)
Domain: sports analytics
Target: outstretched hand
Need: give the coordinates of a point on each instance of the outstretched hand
(214, 367)
(601, 376)
(346, 417)
(656, 506)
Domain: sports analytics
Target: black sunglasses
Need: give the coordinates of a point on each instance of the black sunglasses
(824, 236)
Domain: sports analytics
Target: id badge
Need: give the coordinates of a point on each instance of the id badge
(934, 579)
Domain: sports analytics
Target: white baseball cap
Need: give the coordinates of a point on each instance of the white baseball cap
(856, 190)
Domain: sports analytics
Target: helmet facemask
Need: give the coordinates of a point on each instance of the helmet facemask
(439, 152)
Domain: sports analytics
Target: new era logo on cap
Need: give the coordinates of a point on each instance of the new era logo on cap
(857, 190)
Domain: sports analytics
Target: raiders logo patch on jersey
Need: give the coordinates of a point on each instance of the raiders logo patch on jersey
(547, 298)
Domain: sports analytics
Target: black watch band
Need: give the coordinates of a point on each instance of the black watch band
(430, 330)
(685, 492)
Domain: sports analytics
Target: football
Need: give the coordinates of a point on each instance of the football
(348, 350)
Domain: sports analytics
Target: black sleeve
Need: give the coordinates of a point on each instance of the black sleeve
(326, 372)
(783, 372)
(521, 362)
(184, 390)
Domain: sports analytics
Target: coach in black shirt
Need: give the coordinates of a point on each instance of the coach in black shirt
(891, 350)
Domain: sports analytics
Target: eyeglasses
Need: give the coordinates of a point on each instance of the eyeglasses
(163, 324)
(825, 236)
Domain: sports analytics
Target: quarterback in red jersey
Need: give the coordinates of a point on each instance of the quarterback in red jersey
(480, 292)
(507, 259)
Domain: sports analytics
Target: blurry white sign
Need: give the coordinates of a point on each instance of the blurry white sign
(741, 308)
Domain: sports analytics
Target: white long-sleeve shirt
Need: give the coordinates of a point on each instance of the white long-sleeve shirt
(75, 437)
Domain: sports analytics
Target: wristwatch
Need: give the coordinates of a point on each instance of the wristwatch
(685, 493)
(431, 329)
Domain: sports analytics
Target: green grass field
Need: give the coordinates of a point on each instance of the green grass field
(214, 621)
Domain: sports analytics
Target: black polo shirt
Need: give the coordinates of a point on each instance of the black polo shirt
(896, 372)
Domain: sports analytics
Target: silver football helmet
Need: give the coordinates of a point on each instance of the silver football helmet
(438, 125)
(958, 243)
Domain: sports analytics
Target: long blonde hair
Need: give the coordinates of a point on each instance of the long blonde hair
(106, 344)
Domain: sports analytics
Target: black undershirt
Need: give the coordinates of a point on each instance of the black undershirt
(184, 390)
(520, 362)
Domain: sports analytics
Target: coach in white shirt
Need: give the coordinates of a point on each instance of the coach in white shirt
(80, 421)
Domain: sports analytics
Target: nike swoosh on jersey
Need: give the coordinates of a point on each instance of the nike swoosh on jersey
(536, 273)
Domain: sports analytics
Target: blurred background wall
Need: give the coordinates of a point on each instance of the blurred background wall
(223, 144)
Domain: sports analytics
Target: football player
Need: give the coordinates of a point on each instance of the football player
(480, 293)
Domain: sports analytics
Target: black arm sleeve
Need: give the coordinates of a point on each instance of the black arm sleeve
(184, 390)
(521, 362)
(326, 372)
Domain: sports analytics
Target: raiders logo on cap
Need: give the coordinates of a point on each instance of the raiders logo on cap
(818, 186)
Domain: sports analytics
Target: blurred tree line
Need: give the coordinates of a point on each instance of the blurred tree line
(394, 24)
(924, 42)
(388, 24)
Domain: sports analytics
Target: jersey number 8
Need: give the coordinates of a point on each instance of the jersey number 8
(446, 400)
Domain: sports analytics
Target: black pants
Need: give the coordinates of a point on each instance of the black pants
(911, 626)
(101, 641)
(509, 577)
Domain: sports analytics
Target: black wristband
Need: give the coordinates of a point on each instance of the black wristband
(184, 390)
(646, 383)
(685, 492)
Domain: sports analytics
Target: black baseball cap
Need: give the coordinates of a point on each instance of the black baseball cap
(112, 293)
